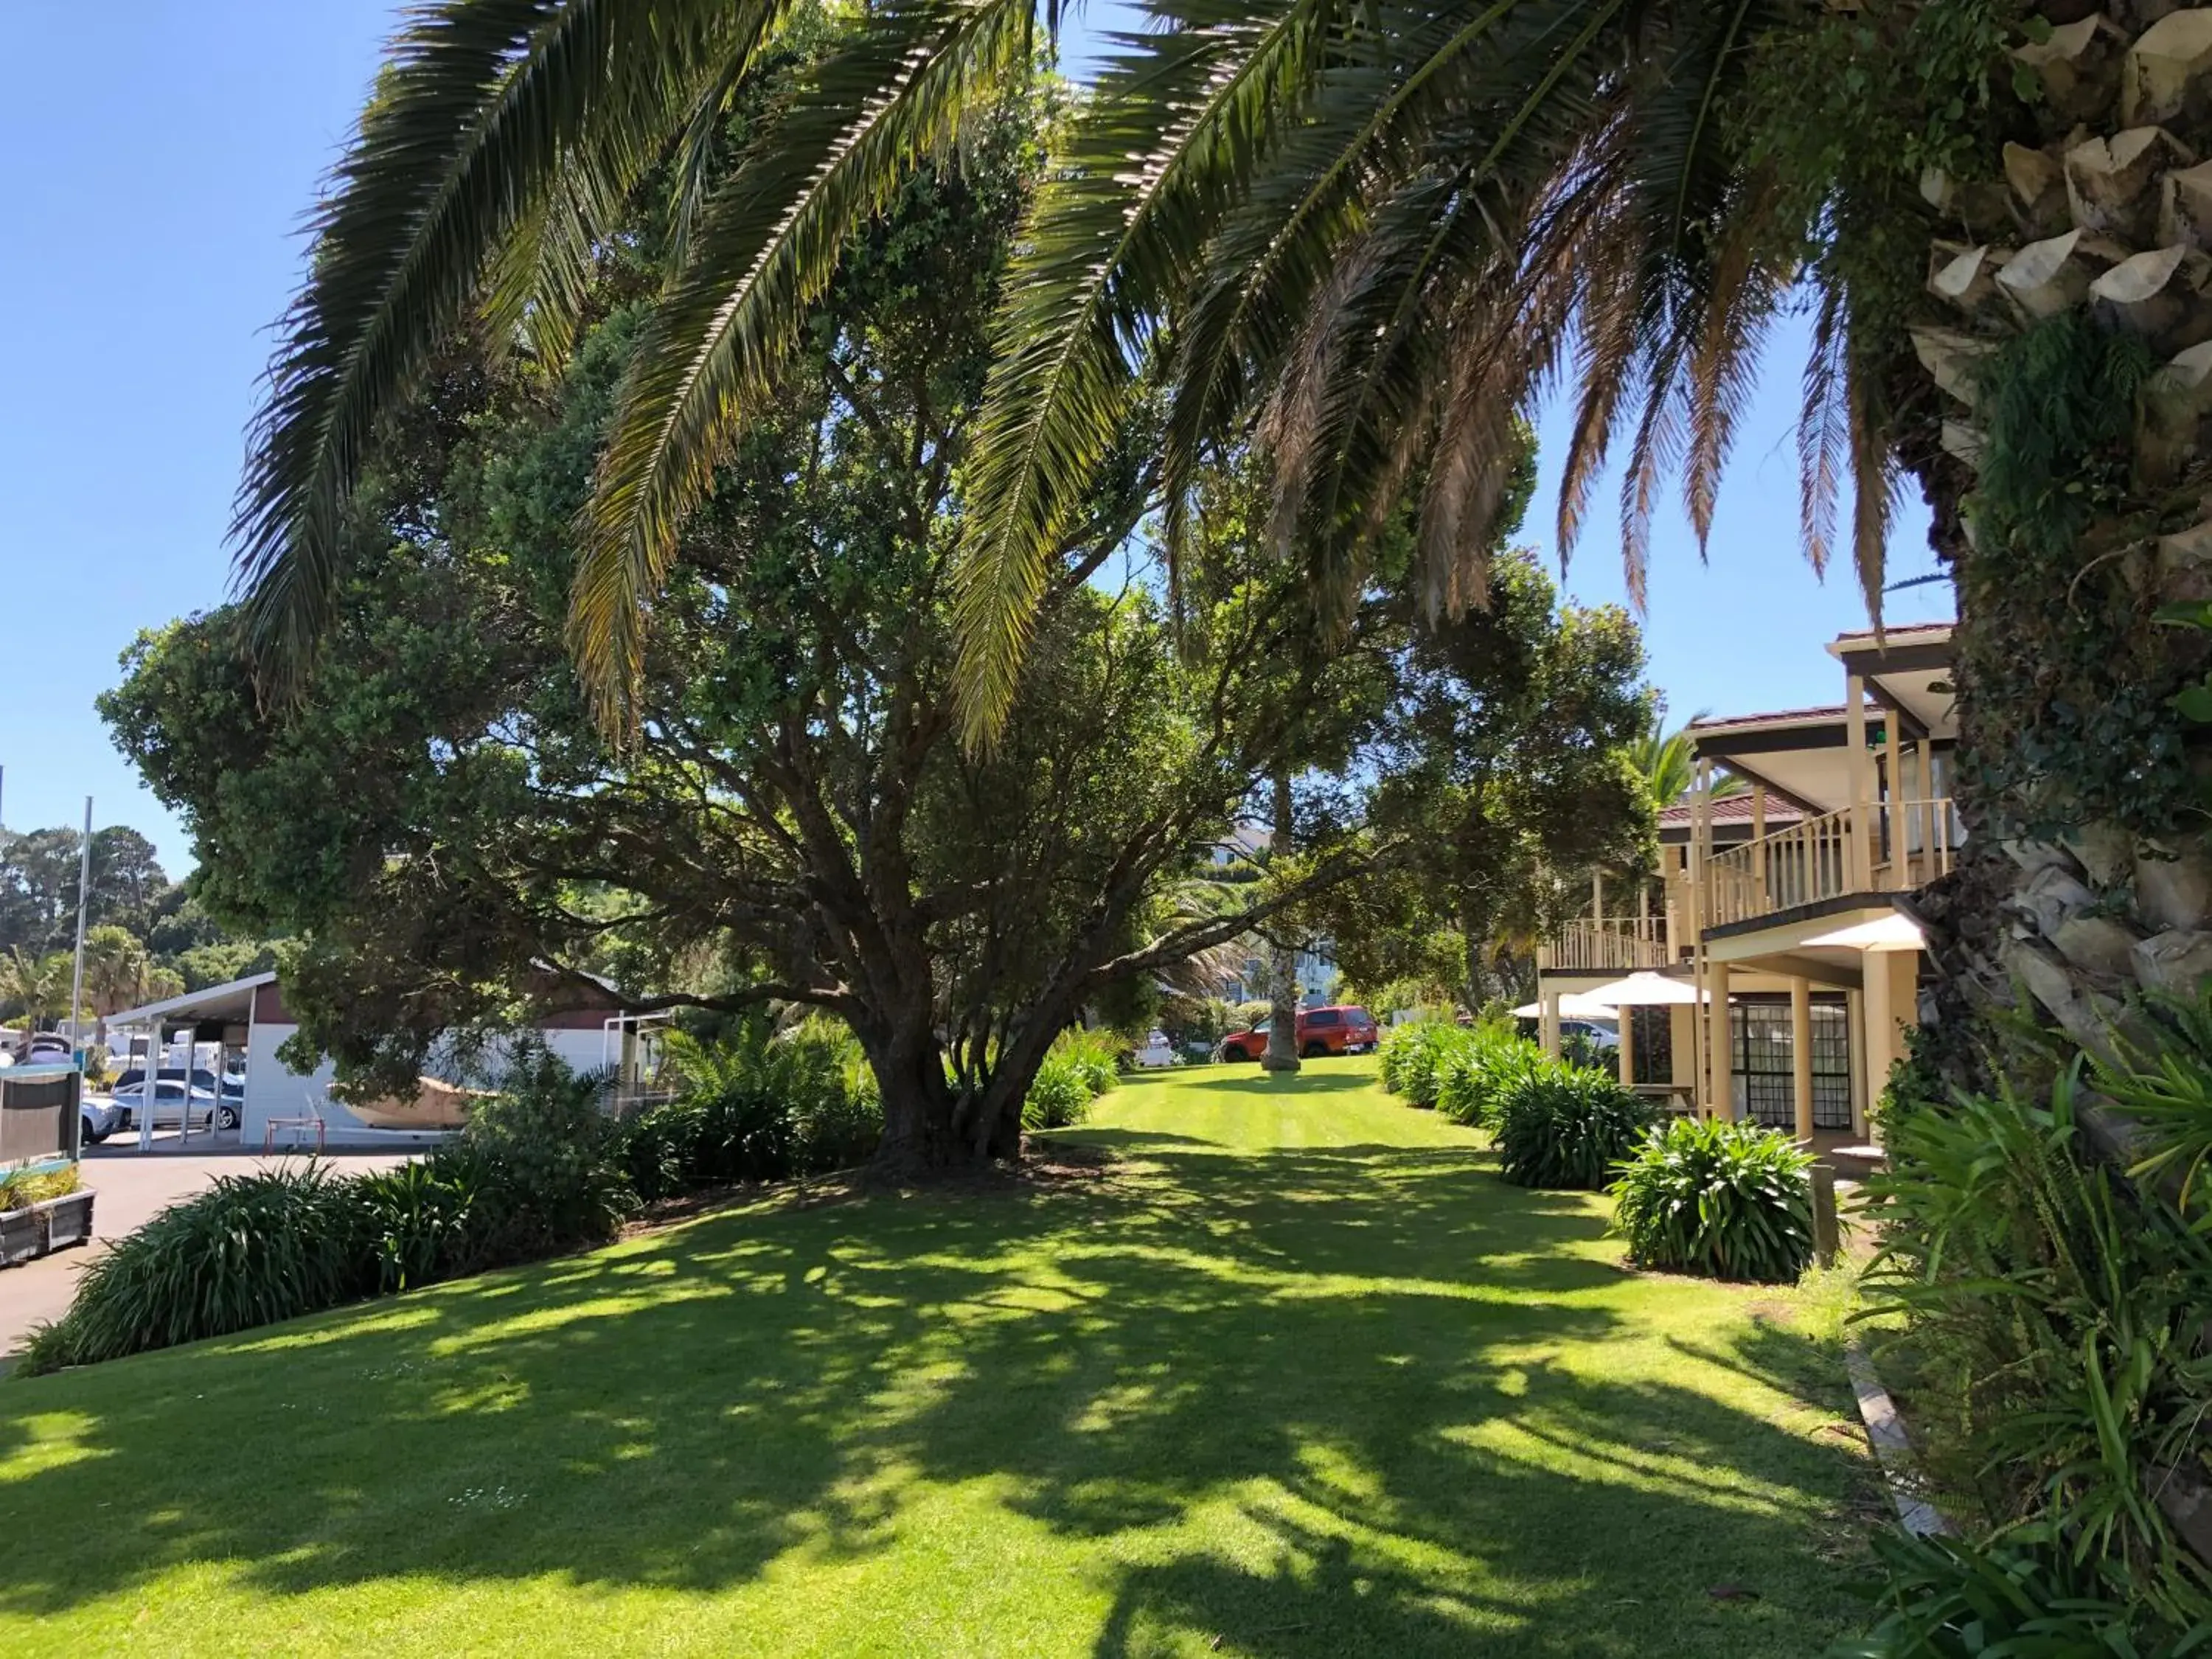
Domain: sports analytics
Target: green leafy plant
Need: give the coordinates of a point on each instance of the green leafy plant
(421, 1220)
(1727, 1200)
(2166, 1089)
(1942, 1598)
(1095, 1053)
(249, 1250)
(544, 1156)
(1060, 1096)
(1415, 1057)
(21, 1189)
(2056, 1313)
(760, 1108)
(1476, 1079)
(1566, 1126)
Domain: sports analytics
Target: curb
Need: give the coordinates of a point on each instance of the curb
(1891, 1446)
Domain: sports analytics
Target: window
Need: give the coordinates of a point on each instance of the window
(1759, 1042)
(1324, 1017)
(1653, 1032)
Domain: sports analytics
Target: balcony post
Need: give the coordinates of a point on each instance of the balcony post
(1720, 1044)
(1858, 848)
(1892, 1000)
(1801, 1054)
(1759, 843)
(1899, 863)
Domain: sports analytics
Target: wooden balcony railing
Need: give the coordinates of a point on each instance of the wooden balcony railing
(1913, 842)
(1920, 839)
(1808, 862)
(1618, 944)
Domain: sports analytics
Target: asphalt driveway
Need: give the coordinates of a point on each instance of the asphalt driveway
(133, 1188)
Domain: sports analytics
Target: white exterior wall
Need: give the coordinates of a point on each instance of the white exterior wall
(272, 1090)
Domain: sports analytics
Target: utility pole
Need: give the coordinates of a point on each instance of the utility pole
(76, 977)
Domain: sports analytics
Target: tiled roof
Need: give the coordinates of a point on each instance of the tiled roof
(1778, 717)
(1901, 627)
(1736, 809)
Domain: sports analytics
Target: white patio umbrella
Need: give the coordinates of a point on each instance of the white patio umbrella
(1574, 1005)
(1645, 989)
(1889, 932)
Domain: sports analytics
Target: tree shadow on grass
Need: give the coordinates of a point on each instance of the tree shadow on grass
(1253, 1081)
(1357, 1400)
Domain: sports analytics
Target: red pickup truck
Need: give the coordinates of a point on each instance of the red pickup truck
(1337, 1030)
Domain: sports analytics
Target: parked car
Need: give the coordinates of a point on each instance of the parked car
(230, 1098)
(100, 1117)
(1337, 1029)
(167, 1109)
(1157, 1051)
(1598, 1034)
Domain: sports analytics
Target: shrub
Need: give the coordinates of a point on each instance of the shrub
(1729, 1200)
(544, 1156)
(2054, 1315)
(1564, 1126)
(1947, 1599)
(1060, 1096)
(1249, 1014)
(1476, 1080)
(1415, 1057)
(759, 1108)
(249, 1250)
(1094, 1055)
(421, 1222)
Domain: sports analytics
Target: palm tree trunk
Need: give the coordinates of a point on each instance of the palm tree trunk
(1282, 1053)
(2073, 896)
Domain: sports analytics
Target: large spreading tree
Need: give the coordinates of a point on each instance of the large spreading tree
(789, 817)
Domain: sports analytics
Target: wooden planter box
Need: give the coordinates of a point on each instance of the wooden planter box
(22, 1236)
(69, 1219)
(54, 1224)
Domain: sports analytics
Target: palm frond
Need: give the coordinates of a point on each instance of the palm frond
(765, 251)
(1180, 118)
(1824, 431)
(1876, 482)
(493, 116)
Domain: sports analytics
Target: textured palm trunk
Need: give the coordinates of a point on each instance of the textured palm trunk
(2112, 212)
(1282, 1053)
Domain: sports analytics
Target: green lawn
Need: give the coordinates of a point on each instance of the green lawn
(1299, 1376)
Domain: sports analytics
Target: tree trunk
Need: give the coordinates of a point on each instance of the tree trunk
(2082, 884)
(1282, 1053)
(919, 1140)
(2116, 899)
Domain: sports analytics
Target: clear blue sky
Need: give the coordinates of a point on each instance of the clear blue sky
(156, 207)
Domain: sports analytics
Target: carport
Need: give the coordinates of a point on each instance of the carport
(221, 1014)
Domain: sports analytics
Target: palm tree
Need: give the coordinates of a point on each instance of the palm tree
(1662, 758)
(37, 987)
(116, 972)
